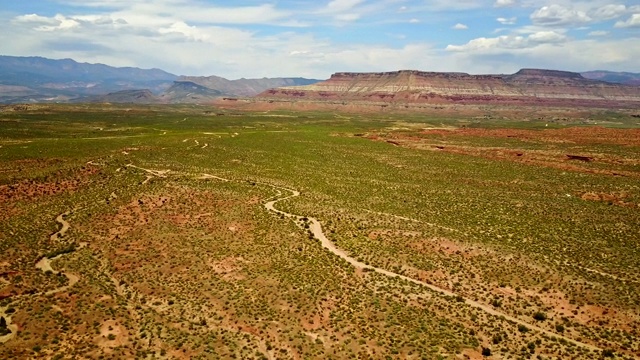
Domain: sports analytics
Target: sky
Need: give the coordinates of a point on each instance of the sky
(313, 39)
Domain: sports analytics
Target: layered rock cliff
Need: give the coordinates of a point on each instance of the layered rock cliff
(528, 86)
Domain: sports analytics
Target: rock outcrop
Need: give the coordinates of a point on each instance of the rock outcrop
(527, 86)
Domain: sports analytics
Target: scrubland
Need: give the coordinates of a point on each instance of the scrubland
(532, 215)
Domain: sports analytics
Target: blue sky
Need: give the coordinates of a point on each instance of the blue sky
(255, 38)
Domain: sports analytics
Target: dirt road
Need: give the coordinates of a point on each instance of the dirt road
(316, 229)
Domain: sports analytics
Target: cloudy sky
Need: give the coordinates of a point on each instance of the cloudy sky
(257, 38)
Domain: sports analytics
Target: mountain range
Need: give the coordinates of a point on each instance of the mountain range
(38, 79)
(626, 78)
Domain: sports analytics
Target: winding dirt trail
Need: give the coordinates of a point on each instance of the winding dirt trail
(65, 226)
(316, 229)
(158, 173)
(13, 328)
(208, 176)
(44, 265)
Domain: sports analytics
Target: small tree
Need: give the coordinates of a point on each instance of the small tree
(522, 328)
(486, 352)
(540, 316)
(608, 353)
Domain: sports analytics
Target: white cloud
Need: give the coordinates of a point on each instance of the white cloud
(504, 3)
(342, 11)
(598, 33)
(347, 17)
(192, 37)
(184, 47)
(558, 15)
(460, 26)
(577, 14)
(632, 22)
(33, 18)
(338, 6)
(507, 21)
(481, 44)
(576, 55)
(546, 37)
(62, 23)
(190, 32)
(508, 42)
(607, 12)
(414, 21)
(58, 22)
(161, 12)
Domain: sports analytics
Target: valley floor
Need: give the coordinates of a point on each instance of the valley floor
(170, 232)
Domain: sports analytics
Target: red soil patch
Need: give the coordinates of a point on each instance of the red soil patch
(576, 135)
(589, 315)
(228, 268)
(31, 189)
(549, 158)
(445, 246)
(112, 334)
(614, 199)
(321, 317)
(472, 354)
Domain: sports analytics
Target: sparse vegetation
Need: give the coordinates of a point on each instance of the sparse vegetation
(173, 263)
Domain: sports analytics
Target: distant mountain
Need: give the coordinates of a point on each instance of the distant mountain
(37, 79)
(245, 87)
(189, 92)
(123, 96)
(68, 78)
(613, 77)
(402, 88)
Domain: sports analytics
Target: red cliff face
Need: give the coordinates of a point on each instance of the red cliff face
(528, 86)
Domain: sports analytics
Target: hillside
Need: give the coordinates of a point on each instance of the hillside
(122, 97)
(528, 86)
(37, 79)
(65, 79)
(245, 87)
(189, 92)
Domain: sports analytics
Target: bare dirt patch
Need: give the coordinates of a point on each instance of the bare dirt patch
(575, 135)
(228, 268)
(445, 246)
(32, 189)
(112, 334)
(568, 149)
(613, 199)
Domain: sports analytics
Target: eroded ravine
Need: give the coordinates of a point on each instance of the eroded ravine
(316, 229)
(44, 265)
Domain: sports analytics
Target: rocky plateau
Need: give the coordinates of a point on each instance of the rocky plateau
(409, 87)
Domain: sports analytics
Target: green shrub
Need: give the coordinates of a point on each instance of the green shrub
(540, 316)
(522, 328)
